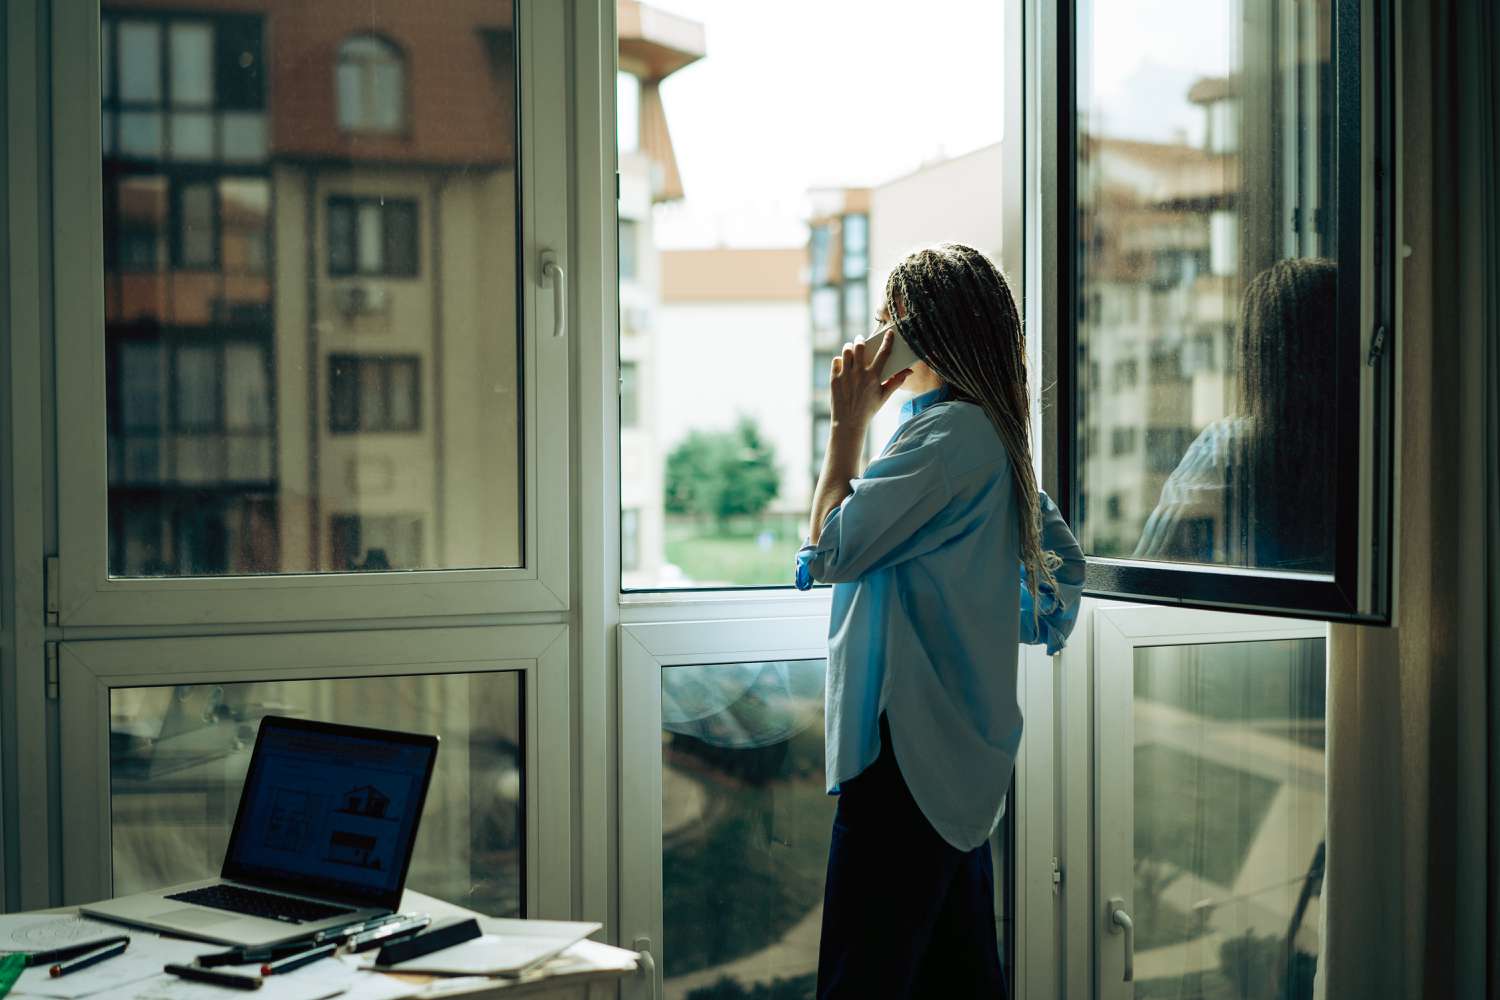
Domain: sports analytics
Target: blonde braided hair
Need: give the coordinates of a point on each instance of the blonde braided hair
(952, 305)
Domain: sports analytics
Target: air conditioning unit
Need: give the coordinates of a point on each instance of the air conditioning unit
(362, 298)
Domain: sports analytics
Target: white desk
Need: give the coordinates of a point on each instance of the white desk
(589, 971)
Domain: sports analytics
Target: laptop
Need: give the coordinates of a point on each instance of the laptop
(323, 837)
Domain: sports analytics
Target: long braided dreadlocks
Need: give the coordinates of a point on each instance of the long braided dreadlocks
(952, 305)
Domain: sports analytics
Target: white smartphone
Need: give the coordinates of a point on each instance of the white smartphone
(902, 356)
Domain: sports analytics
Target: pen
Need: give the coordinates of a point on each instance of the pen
(232, 979)
(71, 950)
(249, 956)
(84, 961)
(298, 960)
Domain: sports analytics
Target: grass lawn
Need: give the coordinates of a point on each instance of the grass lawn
(751, 552)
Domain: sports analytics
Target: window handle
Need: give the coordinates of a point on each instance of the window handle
(648, 964)
(554, 275)
(1119, 920)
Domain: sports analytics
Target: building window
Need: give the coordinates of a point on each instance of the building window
(630, 415)
(1121, 440)
(856, 311)
(825, 309)
(363, 542)
(373, 394)
(184, 89)
(374, 237)
(856, 246)
(819, 251)
(371, 85)
(1126, 374)
(630, 240)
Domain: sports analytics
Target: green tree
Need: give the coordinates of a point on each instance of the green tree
(722, 474)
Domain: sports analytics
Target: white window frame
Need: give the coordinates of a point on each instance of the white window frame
(1116, 633)
(89, 597)
(644, 650)
(90, 669)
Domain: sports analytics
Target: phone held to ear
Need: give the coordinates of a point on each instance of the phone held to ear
(902, 356)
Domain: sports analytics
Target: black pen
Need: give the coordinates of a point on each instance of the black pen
(254, 956)
(217, 978)
(71, 950)
(298, 960)
(84, 961)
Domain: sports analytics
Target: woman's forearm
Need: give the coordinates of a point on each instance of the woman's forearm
(840, 466)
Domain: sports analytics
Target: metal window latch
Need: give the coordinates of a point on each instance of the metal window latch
(1057, 874)
(647, 966)
(1377, 346)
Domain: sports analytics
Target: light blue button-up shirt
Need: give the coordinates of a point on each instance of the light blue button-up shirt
(929, 607)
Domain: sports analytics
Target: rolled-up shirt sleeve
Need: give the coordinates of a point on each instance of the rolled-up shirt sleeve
(879, 523)
(1053, 621)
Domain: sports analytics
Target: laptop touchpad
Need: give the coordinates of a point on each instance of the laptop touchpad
(192, 916)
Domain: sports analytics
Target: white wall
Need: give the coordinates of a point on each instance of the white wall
(706, 379)
(959, 200)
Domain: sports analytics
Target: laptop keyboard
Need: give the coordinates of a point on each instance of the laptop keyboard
(259, 904)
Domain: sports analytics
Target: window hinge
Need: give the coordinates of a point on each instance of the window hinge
(53, 684)
(1377, 346)
(1057, 873)
(51, 580)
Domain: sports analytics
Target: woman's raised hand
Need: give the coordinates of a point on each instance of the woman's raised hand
(856, 391)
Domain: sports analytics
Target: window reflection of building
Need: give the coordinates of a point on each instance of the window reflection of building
(310, 283)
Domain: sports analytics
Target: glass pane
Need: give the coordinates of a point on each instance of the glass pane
(140, 135)
(141, 208)
(245, 208)
(247, 396)
(746, 820)
(235, 483)
(196, 237)
(140, 62)
(244, 136)
(1206, 195)
(1229, 818)
(386, 86)
(192, 63)
(178, 757)
(785, 249)
(196, 376)
(192, 135)
(371, 241)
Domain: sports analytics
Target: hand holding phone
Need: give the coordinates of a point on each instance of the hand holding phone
(901, 356)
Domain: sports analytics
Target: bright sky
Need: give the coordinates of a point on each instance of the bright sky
(799, 94)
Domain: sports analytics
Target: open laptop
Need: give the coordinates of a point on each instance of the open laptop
(323, 837)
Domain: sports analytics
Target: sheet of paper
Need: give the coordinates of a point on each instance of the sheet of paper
(311, 982)
(374, 986)
(41, 932)
(142, 960)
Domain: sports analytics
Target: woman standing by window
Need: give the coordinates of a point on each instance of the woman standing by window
(945, 556)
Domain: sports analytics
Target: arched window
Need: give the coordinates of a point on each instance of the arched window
(371, 85)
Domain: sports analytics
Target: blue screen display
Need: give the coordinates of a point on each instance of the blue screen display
(329, 809)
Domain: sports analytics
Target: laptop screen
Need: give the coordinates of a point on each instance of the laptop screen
(331, 810)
